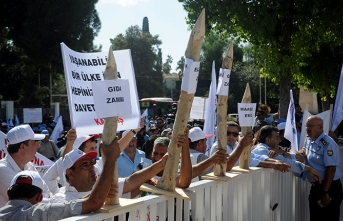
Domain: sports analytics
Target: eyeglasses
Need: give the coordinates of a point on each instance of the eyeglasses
(235, 134)
(311, 125)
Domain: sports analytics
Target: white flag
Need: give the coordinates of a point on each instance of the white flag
(338, 109)
(146, 120)
(210, 115)
(303, 135)
(56, 133)
(291, 129)
(16, 122)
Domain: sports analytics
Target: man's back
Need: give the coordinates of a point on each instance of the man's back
(24, 210)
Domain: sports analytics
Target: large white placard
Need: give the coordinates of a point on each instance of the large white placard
(246, 113)
(198, 108)
(112, 98)
(83, 68)
(32, 115)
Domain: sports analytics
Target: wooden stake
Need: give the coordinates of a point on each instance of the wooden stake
(111, 123)
(222, 105)
(245, 155)
(167, 181)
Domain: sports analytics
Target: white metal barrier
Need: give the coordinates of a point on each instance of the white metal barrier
(248, 196)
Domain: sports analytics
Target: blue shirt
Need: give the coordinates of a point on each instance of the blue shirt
(321, 153)
(125, 165)
(296, 166)
(229, 148)
(256, 159)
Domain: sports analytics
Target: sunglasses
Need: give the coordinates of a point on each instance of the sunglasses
(235, 134)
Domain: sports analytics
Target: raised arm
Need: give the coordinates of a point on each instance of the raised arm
(185, 178)
(101, 188)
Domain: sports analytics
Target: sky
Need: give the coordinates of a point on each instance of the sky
(167, 18)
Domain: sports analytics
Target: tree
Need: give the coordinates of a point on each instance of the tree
(284, 33)
(146, 61)
(31, 33)
(167, 65)
(145, 25)
(180, 65)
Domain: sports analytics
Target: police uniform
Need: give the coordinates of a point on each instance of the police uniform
(321, 153)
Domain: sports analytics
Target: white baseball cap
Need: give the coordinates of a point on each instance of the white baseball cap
(28, 177)
(281, 126)
(83, 138)
(196, 134)
(72, 157)
(21, 133)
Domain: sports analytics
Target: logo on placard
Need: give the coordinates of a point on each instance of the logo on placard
(100, 121)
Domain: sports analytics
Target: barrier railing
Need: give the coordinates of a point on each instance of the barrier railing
(261, 194)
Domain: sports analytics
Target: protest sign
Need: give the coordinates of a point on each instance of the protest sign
(198, 108)
(112, 98)
(32, 115)
(246, 113)
(83, 68)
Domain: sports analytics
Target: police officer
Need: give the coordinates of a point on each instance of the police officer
(322, 154)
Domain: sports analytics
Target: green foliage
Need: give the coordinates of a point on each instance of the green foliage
(167, 65)
(31, 33)
(146, 60)
(284, 35)
(145, 25)
(180, 65)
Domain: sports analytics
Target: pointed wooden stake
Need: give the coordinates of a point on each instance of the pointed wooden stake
(222, 105)
(111, 123)
(245, 155)
(167, 181)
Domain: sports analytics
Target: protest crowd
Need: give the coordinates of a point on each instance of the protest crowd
(71, 184)
(76, 163)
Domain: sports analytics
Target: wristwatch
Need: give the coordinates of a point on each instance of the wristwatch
(134, 132)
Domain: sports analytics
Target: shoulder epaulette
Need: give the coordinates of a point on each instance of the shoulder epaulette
(324, 142)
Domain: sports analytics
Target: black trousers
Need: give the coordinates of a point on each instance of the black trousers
(330, 212)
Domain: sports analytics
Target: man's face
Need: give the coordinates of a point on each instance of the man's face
(274, 141)
(203, 145)
(31, 149)
(132, 145)
(313, 128)
(232, 135)
(157, 153)
(160, 124)
(83, 177)
(90, 146)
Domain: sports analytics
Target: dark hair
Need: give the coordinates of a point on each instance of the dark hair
(192, 145)
(266, 131)
(14, 148)
(149, 145)
(83, 145)
(233, 124)
(71, 168)
(23, 191)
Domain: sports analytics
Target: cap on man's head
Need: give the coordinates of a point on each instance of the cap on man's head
(153, 127)
(46, 132)
(281, 126)
(75, 155)
(22, 133)
(165, 132)
(28, 177)
(84, 138)
(196, 134)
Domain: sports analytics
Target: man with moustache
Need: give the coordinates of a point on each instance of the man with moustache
(322, 153)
